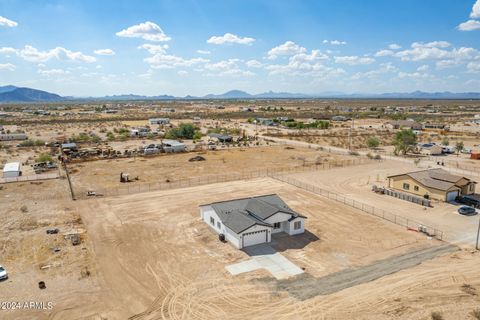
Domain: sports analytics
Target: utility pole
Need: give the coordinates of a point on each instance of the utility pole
(478, 234)
(350, 134)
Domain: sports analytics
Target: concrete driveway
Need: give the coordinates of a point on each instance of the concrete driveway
(264, 256)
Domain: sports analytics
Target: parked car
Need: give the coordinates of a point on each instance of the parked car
(3, 273)
(467, 211)
(468, 201)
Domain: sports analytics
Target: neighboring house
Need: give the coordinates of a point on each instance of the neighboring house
(159, 121)
(173, 146)
(69, 147)
(431, 149)
(139, 132)
(12, 169)
(404, 124)
(339, 118)
(266, 122)
(12, 136)
(221, 137)
(437, 184)
(250, 221)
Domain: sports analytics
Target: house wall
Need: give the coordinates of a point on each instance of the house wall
(397, 184)
(11, 174)
(282, 218)
(291, 231)
(468, 189)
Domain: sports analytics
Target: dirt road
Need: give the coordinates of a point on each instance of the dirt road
(305, 286)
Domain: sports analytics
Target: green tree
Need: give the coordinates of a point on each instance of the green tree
(445, 141)
(404, 141)
(372, 142)
(459, 147)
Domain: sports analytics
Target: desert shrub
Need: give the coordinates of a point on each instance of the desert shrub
(372, 142)
(353, 153)
(436, 315)
(44, 157)
(476, 314)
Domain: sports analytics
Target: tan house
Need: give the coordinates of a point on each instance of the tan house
(437, 184)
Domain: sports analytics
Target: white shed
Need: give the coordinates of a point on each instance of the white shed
(12, 169)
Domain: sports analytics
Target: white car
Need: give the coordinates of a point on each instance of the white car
(3, 273)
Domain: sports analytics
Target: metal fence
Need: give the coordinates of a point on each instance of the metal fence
(36, 177)
(133, 187)
(391, 217)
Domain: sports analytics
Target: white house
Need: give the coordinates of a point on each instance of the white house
(250, 221)
(12, 170)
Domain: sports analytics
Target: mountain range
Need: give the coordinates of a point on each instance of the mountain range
(13, 94)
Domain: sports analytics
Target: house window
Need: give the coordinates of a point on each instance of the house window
(415, 188)
(276, 225)
(406, 186)
(297, 225)
(218, 225)
(212, 221)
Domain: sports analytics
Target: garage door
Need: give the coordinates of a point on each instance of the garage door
(452, 195)
(253, 238)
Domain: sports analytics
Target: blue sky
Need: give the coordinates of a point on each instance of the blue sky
(94, 48)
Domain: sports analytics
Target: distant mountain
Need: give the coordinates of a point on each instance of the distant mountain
(9, 94)
(232, 94)
(7, 89)
(127, 97)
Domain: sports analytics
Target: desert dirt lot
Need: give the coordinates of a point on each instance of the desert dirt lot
(150, 257)
(155, 259)
(356, 183)
(104, 174)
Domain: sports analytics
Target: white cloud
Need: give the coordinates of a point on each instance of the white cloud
(438, 50)
(423, 68)
(147, 30)
(338, 42)
(414, 75)
(7, 67)
(53, 72)
(4, 22)
(254, 64)
(203, 52)
(222, 65)
(165, 61)
(153, 48)
(384, 53)
(230, 38)
(469, 25)
(384, 68)
(354, 60)
(287, 49)
(475, 10)
(394, 46)
(32, 54)
(473, 67)
(104, 52)
(8, 50)
(182, 73)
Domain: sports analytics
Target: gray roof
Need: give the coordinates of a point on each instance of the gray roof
(436, 178)
(241, 214)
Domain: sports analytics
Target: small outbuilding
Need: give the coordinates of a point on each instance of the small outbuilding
(223, 138)
(12, 170)
(173, 146)
(250, 221)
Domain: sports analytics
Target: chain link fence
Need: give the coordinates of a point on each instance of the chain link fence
(391, 217)
(133, 188)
